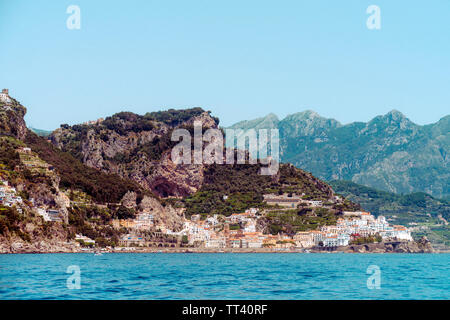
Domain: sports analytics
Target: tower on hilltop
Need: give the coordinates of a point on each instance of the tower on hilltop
(4, 96)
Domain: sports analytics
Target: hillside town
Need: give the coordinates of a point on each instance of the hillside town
(239, 230)
(351, 226)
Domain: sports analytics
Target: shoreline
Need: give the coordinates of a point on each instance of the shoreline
(229, 250)
(397, 246)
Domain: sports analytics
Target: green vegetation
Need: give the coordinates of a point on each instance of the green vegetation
(10, 220)
(368, 153)
(292, 221)
(243, 188)
(125, 122)
(100, 186)
(41, 133)
(414, 207)
(92, 222)
(366, 240)
(9, 157)
(235, 226)
(174, 117)
(294, 180)
(242, 184)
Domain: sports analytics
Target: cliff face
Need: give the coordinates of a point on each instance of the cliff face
(48, 178)
(137, 148)
(43, 239)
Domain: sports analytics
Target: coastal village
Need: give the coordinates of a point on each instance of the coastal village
(239, 230)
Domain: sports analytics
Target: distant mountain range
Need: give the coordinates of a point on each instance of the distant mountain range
(40, 132)
(389, 153)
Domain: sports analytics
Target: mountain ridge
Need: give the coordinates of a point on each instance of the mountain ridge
(389, 152)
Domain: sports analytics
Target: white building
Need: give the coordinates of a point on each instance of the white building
(250, 226)
(4, 96)
(144, 221)
(85, 239)
(42, 212)
(315, 203)
(215, 242)
(304, 239)
(213, 221)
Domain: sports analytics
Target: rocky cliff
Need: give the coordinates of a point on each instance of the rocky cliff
(12, 121)
(138, 148)
(420, 246)
(86, 197)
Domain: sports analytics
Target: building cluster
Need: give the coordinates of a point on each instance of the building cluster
(219, 232)
(143, 221)
(4, 96)
(291, 200)
(239, 230)
(49, 214)
(351, 226)
(94, 122)
(85, 240)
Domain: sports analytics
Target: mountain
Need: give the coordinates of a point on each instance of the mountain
(431, 215)
(40, 132)
(137, 147)
(36, 176)
(268, 122)
(389, 153)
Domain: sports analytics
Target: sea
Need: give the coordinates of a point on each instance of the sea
(268, 276)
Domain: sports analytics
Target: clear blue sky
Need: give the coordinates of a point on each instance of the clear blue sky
(240, 59)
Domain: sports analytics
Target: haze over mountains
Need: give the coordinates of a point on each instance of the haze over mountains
(390, 152)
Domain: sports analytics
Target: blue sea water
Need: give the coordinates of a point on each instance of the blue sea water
(225, 276)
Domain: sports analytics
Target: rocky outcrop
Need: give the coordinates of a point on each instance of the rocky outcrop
(420, 246)
(164, 216)
(122, 145)
(170, 179)
(49, 239)
(43, 246)
(12, 121)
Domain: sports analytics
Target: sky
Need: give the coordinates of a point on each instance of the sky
(239, 59)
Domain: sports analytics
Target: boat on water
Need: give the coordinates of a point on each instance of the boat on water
(97, 253)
